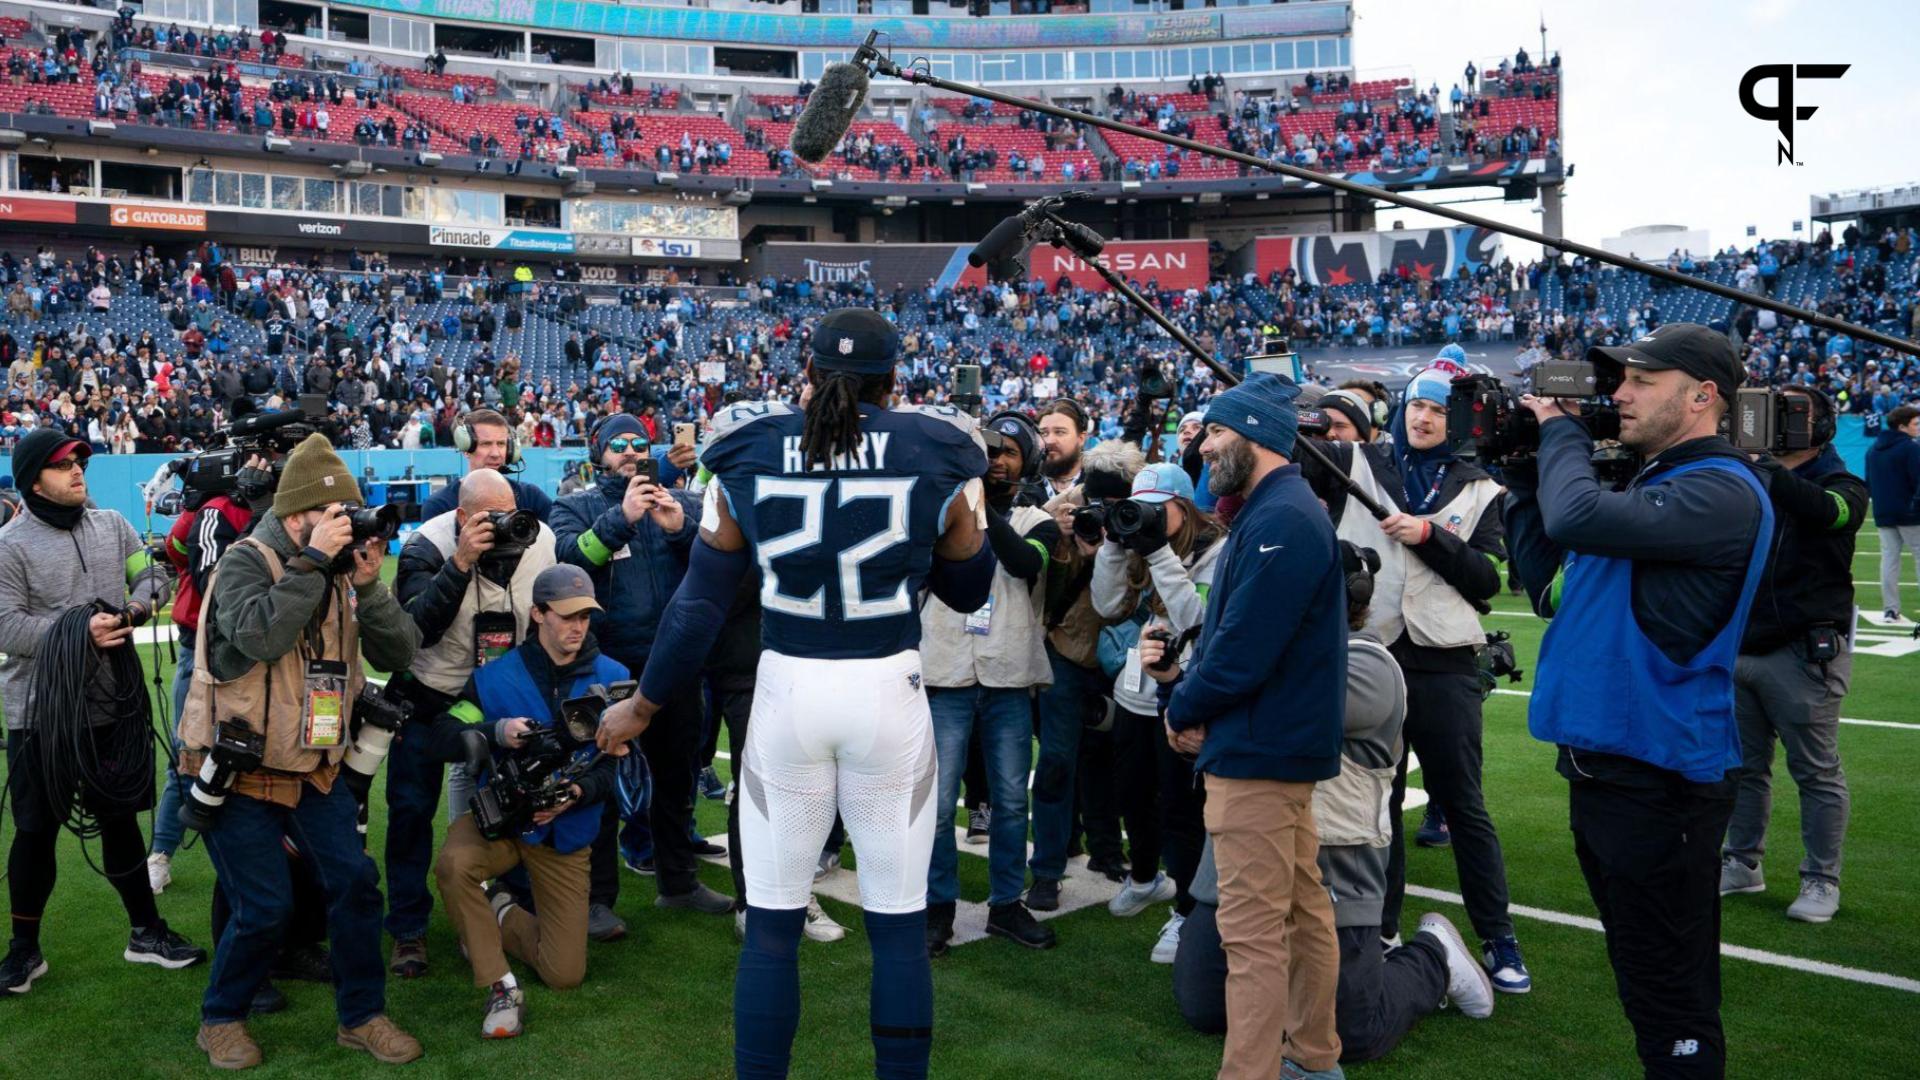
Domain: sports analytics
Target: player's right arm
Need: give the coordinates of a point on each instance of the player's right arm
(963, 562)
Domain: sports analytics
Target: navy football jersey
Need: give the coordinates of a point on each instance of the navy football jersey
(844, 551)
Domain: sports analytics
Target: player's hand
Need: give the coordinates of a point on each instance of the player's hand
(638, 499)
(366, 562)
(683, 456)
(1545, 409)
(1407, 529)
(624, 721)
(515, 731)
(476, 539)
(333, 532)
(542, 817)
(667, 511)
(1189, 741)
(107, 631)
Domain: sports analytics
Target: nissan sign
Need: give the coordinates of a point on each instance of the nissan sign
(1172, 264)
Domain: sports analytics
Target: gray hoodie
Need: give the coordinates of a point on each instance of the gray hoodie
(1355, 875)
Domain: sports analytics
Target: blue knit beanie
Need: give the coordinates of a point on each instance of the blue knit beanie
(612, 427)
(1261, 409)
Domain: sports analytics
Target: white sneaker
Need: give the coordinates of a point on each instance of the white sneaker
(820, 925)
(829, 862)
(1468, 985)
(1135, 897)
(740, 924)
(1168, 946)
(503, 1012)
(1819, 901)
(159, 871)
(1390, 943)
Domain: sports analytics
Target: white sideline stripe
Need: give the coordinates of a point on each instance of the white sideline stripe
(1844, 719)
(1738, 952)
(1870, 624)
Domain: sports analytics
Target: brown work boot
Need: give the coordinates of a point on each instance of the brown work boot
(228, 1046)
(383, 1039)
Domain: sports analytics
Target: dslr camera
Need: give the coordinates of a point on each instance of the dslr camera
(1485, 417)
(237, 749)
(539, 774)
(514, 531)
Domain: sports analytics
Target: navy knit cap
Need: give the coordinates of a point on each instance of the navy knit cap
(856, 340)
(613, 426)
(1261, 409)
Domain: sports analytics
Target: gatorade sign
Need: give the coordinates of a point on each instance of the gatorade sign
(1172, 264)
(123, 216)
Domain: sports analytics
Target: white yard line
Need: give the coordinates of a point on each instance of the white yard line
(1844, 719)
(1738, 952)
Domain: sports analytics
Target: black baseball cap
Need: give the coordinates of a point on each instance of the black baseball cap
(1702, 352)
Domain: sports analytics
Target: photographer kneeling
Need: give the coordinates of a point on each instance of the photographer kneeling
(516, 703)
(279, 655)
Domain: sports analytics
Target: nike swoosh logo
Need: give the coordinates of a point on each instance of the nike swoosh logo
(1264, 548)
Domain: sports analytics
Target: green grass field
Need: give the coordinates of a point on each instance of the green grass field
(659, 1003)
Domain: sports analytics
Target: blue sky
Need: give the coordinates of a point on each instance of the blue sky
(1652, 118)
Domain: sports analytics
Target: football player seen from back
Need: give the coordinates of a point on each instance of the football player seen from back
(850, 509)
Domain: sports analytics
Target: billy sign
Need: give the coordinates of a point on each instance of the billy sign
(1172, 264)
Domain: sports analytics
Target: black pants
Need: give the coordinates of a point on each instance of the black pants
(1649, 845)
(1162, 803)
(1380, 996)
(1095, 797)
(1443, 728)
(671, 744)
(32, 862)
(733, 701)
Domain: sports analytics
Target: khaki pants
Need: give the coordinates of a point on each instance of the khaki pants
(1276, 925)
(554, 943)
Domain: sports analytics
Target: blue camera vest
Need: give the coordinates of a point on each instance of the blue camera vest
(1603, 686)
(506, 689)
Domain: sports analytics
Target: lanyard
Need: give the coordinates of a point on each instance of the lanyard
(1425, 505)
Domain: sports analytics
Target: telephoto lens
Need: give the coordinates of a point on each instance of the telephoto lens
(374, 522)
(376, 720)
(237, 749)
(1128, 518)
(514, 531)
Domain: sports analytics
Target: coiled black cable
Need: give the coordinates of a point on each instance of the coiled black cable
(95, 724)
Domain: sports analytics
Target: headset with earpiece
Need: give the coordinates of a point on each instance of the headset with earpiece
(1825, 419)
(1360, 564)
(1029, 463)
(465, 438)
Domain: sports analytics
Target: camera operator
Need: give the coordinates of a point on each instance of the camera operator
(1795, 665)
(57, 555)
(1649, 590)
(1170, 561)
(1893, 475)
(508, 700)
(632, 537)
(1260, 706)
(1070, 771)
(488, 442)
(468, 589)
(1381, 993)
(1440, 554)
(981, 671)
(279, 659)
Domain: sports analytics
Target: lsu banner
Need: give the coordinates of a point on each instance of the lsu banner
(1358, 258)
(1170, 264)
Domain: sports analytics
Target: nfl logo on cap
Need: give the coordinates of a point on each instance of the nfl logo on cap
(846, 346)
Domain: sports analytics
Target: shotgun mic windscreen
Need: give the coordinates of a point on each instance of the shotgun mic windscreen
(829, 111)
(1004, 241)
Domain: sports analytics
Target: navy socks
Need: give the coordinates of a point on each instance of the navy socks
(901, 1004)
(766, 993)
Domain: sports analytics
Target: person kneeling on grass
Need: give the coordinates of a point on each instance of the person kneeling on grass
(509, 700)
(1381, 994)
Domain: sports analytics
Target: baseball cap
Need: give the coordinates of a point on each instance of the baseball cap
(1701, 352)
(565, 589)
(858, 340)
(1161, 481)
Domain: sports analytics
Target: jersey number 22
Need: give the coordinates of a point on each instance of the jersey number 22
(813, 500)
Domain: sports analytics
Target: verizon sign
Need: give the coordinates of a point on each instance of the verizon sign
(1172, 264)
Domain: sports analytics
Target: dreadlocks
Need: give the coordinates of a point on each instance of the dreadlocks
(832, 425)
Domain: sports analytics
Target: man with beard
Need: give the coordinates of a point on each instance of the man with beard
(982, 670)
(1063, 430)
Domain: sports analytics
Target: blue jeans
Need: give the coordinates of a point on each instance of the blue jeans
(413, 798)
(252, 864)
(167, 830)
(1063, 711)
(1005, 719)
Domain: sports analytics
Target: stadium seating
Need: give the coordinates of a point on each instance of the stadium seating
(1006, 138)
(777, 133)
(482, 85)
(657, 129)
(456, 120)
(641, 98)
(13, 29)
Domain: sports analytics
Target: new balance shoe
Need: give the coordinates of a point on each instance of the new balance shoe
(409, 959)
(939, 928)
(159, 872)
(820, 925)
(979, 821)
(1433, 830)
(158, 944)
(710, 785)
(22, 965)
(1501, 957)
(603, 924)
(1137, 896)
(1819, 901)
(1168, 947)
(1014, 922)
(1469, 986)
(699, 898)
(1738, 876)
(829, 862)
(1045, 894)
(503, 1012)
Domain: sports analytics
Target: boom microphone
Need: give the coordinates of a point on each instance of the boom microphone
(1004, 242)
(829, 111)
